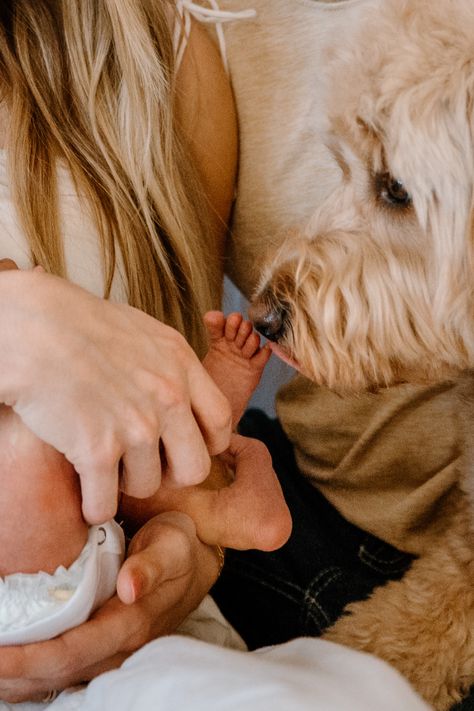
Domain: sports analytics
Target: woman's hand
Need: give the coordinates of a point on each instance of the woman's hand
(104, 383)
(166, 576)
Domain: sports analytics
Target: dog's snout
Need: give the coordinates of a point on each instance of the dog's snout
(269, 321)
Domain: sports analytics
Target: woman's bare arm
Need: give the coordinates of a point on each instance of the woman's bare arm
(206, 111)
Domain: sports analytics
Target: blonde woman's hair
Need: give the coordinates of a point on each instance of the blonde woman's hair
(91, 82)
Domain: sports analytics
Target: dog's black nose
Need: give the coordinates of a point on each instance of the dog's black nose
(268, 321)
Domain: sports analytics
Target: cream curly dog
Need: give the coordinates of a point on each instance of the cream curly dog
(379, 289)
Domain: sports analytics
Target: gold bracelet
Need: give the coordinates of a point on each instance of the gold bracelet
(220, 558)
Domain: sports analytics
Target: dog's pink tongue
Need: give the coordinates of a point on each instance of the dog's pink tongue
(280, 353)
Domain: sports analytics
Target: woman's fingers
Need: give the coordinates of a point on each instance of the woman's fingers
(211, 409)
(100, 491)
(141, 470)
(192, 417)
(186, 456)
(29, 672)
(103, 382)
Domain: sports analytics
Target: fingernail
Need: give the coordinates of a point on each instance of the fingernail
(127, 591)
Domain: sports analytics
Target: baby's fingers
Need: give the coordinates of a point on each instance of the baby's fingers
(100, 486)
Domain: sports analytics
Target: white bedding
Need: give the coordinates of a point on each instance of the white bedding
(194, 673)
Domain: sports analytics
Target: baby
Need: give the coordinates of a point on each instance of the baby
(55, 570)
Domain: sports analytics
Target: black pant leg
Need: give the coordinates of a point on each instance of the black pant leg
(302, 588)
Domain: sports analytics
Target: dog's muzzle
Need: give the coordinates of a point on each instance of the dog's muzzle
(268, 319)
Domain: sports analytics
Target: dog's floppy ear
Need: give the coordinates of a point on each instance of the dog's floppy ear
(470, 248)
(363, 136)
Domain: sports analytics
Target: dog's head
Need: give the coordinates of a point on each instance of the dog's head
(379, 287)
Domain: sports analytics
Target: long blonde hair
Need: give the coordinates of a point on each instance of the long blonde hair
(91, 82)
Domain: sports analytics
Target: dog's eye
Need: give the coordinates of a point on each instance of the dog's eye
(391, 190)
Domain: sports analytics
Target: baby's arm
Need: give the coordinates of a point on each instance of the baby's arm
(250, 512)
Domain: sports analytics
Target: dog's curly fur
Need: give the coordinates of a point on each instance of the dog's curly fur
(379, 289)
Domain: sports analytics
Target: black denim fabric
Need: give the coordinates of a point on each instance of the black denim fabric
(301, 589)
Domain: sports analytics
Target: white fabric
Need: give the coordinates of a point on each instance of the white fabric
(208, 624)
(42, 606)
(182, 674)
(306, 674)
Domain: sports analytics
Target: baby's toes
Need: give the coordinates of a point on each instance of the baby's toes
(243, 335)
(232, 325)
(214, 322)
(261, 358)
(251, 345)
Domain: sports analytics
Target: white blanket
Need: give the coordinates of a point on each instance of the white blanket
(184, 673)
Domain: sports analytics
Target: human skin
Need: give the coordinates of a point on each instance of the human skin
(40, 508)
(241, 504)
(166, 575)
(100, 405)
(246, 510)
(42, 526)
(134, 406)
(168, 570)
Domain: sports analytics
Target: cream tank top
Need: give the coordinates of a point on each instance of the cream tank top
(81, 242)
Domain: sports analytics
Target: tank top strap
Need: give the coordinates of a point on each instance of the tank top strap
(212, 15)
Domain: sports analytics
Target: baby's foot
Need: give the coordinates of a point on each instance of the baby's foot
(235, 360)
